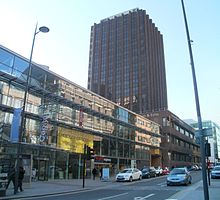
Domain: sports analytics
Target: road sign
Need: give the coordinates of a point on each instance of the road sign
(207, 132)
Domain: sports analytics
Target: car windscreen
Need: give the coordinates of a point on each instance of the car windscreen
(145, 170)
(178, 171)
(126, 171)
(217, 168)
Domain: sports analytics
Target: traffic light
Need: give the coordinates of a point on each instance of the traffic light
(1, 129)
(89, 153)
(207, 149)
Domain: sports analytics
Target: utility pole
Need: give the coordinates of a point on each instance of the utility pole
(202, 142)
(84, 163)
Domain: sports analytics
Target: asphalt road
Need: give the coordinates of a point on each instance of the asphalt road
(150, 189)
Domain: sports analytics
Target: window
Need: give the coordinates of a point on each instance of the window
(176, 127)
(6, 58)
(172, 140)
(168, 138)
(181, 130)
(20, 66)
(164, 121)
(169, 155)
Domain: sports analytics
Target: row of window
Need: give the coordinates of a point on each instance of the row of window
(174, 156)
(168, 122)
(181, 143)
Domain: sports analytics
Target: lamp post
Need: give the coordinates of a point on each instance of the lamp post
(202, 142)
(42, 29)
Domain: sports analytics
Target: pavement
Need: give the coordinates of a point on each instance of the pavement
(44, 188)
(196, 192)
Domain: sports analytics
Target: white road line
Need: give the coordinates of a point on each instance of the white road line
(111, 197)
(163, 183)
(171, 199)
(148, 196)
(142, 198)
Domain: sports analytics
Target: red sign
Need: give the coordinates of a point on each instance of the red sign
(81, 117)
(102, 159)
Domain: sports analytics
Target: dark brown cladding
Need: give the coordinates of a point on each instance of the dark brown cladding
(126, 63)
(178, 140)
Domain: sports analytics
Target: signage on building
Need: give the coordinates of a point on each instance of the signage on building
(16, 121)
(154, 141)
(44, 128)
(73, 140)
(105, 174)
(102, 159)
(81, 117)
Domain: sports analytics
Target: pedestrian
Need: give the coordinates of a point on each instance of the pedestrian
(34, 173)
(94, 172)
(11, 177)
(101, 169)
(20, 177)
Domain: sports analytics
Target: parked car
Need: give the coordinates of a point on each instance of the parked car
(159, 171)
(129, 174)
(215, 173)
(148, 172)
(179, 176)
(165, 171)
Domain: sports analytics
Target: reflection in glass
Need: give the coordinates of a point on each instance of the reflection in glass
(6, 58)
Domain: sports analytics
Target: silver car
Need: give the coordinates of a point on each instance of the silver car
(179, 176)
(215, 173)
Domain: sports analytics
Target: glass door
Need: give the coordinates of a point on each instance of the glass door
(43, 170)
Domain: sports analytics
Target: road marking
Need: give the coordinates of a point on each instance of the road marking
(161, 184)
(111, 197)
(171, 199)
(142, 198)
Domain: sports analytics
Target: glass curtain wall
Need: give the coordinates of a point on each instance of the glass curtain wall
(73, 117)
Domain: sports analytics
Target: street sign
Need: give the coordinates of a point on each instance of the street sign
(207, 132)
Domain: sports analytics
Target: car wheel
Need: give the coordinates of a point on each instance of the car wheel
(148, 176)
(140, 177)
(131, 179)
(168, 184)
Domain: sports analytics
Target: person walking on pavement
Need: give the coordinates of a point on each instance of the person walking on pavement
(11, 177)
(20, 177)
(94, 172)
(101, 169)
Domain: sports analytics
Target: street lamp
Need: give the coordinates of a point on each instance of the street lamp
(202, 142)
(42, 29)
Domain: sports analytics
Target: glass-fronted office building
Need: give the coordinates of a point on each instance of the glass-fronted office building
(60, 118)
(213, 138)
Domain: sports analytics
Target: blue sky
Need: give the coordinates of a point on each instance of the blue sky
(65, 49)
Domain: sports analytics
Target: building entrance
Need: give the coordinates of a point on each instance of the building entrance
(41, 167)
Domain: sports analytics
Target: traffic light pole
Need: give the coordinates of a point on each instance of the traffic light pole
(202, 142)
(84, 164)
